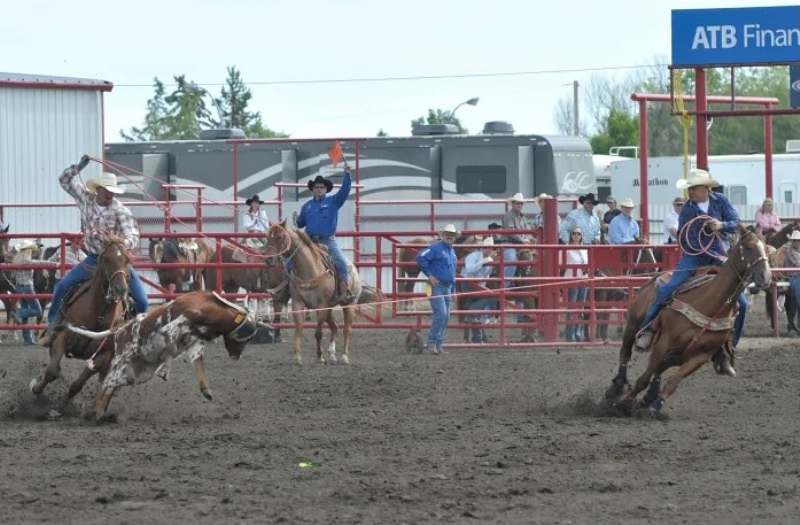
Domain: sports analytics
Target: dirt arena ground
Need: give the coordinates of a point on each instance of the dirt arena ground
(512, 436)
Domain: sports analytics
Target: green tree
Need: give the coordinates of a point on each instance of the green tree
(620, 129)
(187, 113)
(232, 111)
(439, 116)
(155, 127)
(381, 133)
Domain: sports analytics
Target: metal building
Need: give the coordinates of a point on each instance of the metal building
(46, 124)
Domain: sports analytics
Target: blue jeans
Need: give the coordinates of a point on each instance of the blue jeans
(794, 288)
(575, 332)
(686, 268)
(83, 272)
(509, 270)
(336, 254)
(440, 306)
(28, 308)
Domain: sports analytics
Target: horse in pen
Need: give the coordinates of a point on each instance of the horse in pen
(185, 251)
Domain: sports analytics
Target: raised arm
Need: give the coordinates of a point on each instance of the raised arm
(344, 191)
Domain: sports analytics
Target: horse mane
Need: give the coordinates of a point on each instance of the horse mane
(311, 245)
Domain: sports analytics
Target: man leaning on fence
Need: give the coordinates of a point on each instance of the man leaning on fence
(438, 263)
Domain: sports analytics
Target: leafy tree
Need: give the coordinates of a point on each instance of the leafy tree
(438, 116)
(155, 127)
(381, 133)
(232, 112)
(620, 129)
(187, 113)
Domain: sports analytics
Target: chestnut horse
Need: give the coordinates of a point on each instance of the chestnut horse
(97, 304)
(693, 327)
(186, 251)
(312, 285)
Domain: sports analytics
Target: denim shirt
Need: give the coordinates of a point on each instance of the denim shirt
(720, 208)
(320, 216)
(438, 260)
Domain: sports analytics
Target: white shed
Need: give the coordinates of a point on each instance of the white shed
(46, 124)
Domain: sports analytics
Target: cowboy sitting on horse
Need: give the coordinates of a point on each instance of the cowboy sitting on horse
(102, 216)
(723, 220)
(319, 217)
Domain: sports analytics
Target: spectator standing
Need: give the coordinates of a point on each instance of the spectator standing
(671, 221)
(579, 259)
(438, 263)
(767, 219)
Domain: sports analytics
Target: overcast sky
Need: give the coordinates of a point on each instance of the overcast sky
(132, 42)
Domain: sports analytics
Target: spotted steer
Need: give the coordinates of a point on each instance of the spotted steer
(149, 342)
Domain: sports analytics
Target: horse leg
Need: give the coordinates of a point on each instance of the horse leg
(53, 369)
(347, 313)
(277, 308)
(297, 316)
(334, 332)
(619, 381)
(102, 362)
(321, 315)
(655, 364)
(202, 378)
(685, 370)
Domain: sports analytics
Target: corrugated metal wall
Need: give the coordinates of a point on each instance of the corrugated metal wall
(42, 131)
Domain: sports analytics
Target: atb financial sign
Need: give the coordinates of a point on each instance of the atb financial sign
(752, 35)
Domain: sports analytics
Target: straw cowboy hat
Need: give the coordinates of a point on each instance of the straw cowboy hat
(696, 178)
(588, 197)
(627, 202)
(517, 197)
(26, 244)
(795, 236)
(255, 198)
(105, 180)
(489, 241)
(321, 180)
(543, 196)
(451, 229)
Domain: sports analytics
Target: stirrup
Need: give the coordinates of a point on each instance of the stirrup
(643, 340)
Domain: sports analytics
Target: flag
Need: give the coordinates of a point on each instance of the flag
(336, 154)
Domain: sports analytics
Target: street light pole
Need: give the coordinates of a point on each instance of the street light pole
(576, 130)
(472, 102)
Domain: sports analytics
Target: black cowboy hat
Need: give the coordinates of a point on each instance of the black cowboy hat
(254, 198)
(320, 180)
(588, 197)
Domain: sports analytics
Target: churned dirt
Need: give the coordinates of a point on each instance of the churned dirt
(472, 436)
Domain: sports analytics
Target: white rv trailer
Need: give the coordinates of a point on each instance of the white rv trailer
(741, 178)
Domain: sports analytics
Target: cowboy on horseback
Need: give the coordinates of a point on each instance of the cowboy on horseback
(102, 216)
(319, 217)
(724, 220)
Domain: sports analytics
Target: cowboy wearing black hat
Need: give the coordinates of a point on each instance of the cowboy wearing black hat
(584, 218)
(255, 219)
(319, 217)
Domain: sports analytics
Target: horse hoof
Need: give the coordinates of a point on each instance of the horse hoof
(53, 415)
(345, 360)
(207, 394)
(34, 386)
(625, 406)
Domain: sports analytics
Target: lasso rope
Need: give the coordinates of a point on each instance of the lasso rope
(704, 241)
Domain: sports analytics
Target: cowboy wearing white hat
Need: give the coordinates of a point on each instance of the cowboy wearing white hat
(623, 228)
(438, 263)
(722, 218)
(102, 215)
(514, 220)
(477, 265)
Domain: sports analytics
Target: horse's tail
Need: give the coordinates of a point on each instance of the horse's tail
(370, 294)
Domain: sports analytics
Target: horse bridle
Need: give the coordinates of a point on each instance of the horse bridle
(110, 278)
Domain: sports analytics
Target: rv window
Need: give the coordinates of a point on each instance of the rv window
(737, 194)
(481, 179)
(787, 196)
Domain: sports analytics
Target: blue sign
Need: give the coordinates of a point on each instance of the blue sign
(751, 35)
(794, 85)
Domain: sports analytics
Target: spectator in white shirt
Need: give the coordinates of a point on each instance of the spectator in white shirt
(671, 221)
(476, 266)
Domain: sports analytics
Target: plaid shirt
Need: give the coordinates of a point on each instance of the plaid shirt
(115, 218)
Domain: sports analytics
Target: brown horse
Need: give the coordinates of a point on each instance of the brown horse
(312, 285)
(270, 277)
(185, 251)
(693, 327)
(147, 343)
(97, 304)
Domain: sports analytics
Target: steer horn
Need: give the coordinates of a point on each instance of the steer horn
(87, 333)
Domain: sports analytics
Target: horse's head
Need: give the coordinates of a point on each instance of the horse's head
(279, 240)
(156, 249)
(212, 316)
(751, 260)
(113, 263)
(4, 243)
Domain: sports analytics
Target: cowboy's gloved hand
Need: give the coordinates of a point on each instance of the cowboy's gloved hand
(713, 225)
(82, 163)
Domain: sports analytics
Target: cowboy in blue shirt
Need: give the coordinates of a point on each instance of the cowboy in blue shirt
(623, 229)
(725, 220)
(319, 217)
(438, 262)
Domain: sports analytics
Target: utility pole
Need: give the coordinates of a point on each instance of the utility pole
(576, 131)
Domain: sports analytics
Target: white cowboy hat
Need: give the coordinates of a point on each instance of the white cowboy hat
(26, 244)
(576, 228)
(627, 202)
(517, 197)
(489, 241)
(795, 236)
(544, 196)
(450, 228)
(105, 180)
(696, 178)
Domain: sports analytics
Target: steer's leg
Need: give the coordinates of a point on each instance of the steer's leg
(202, 378)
